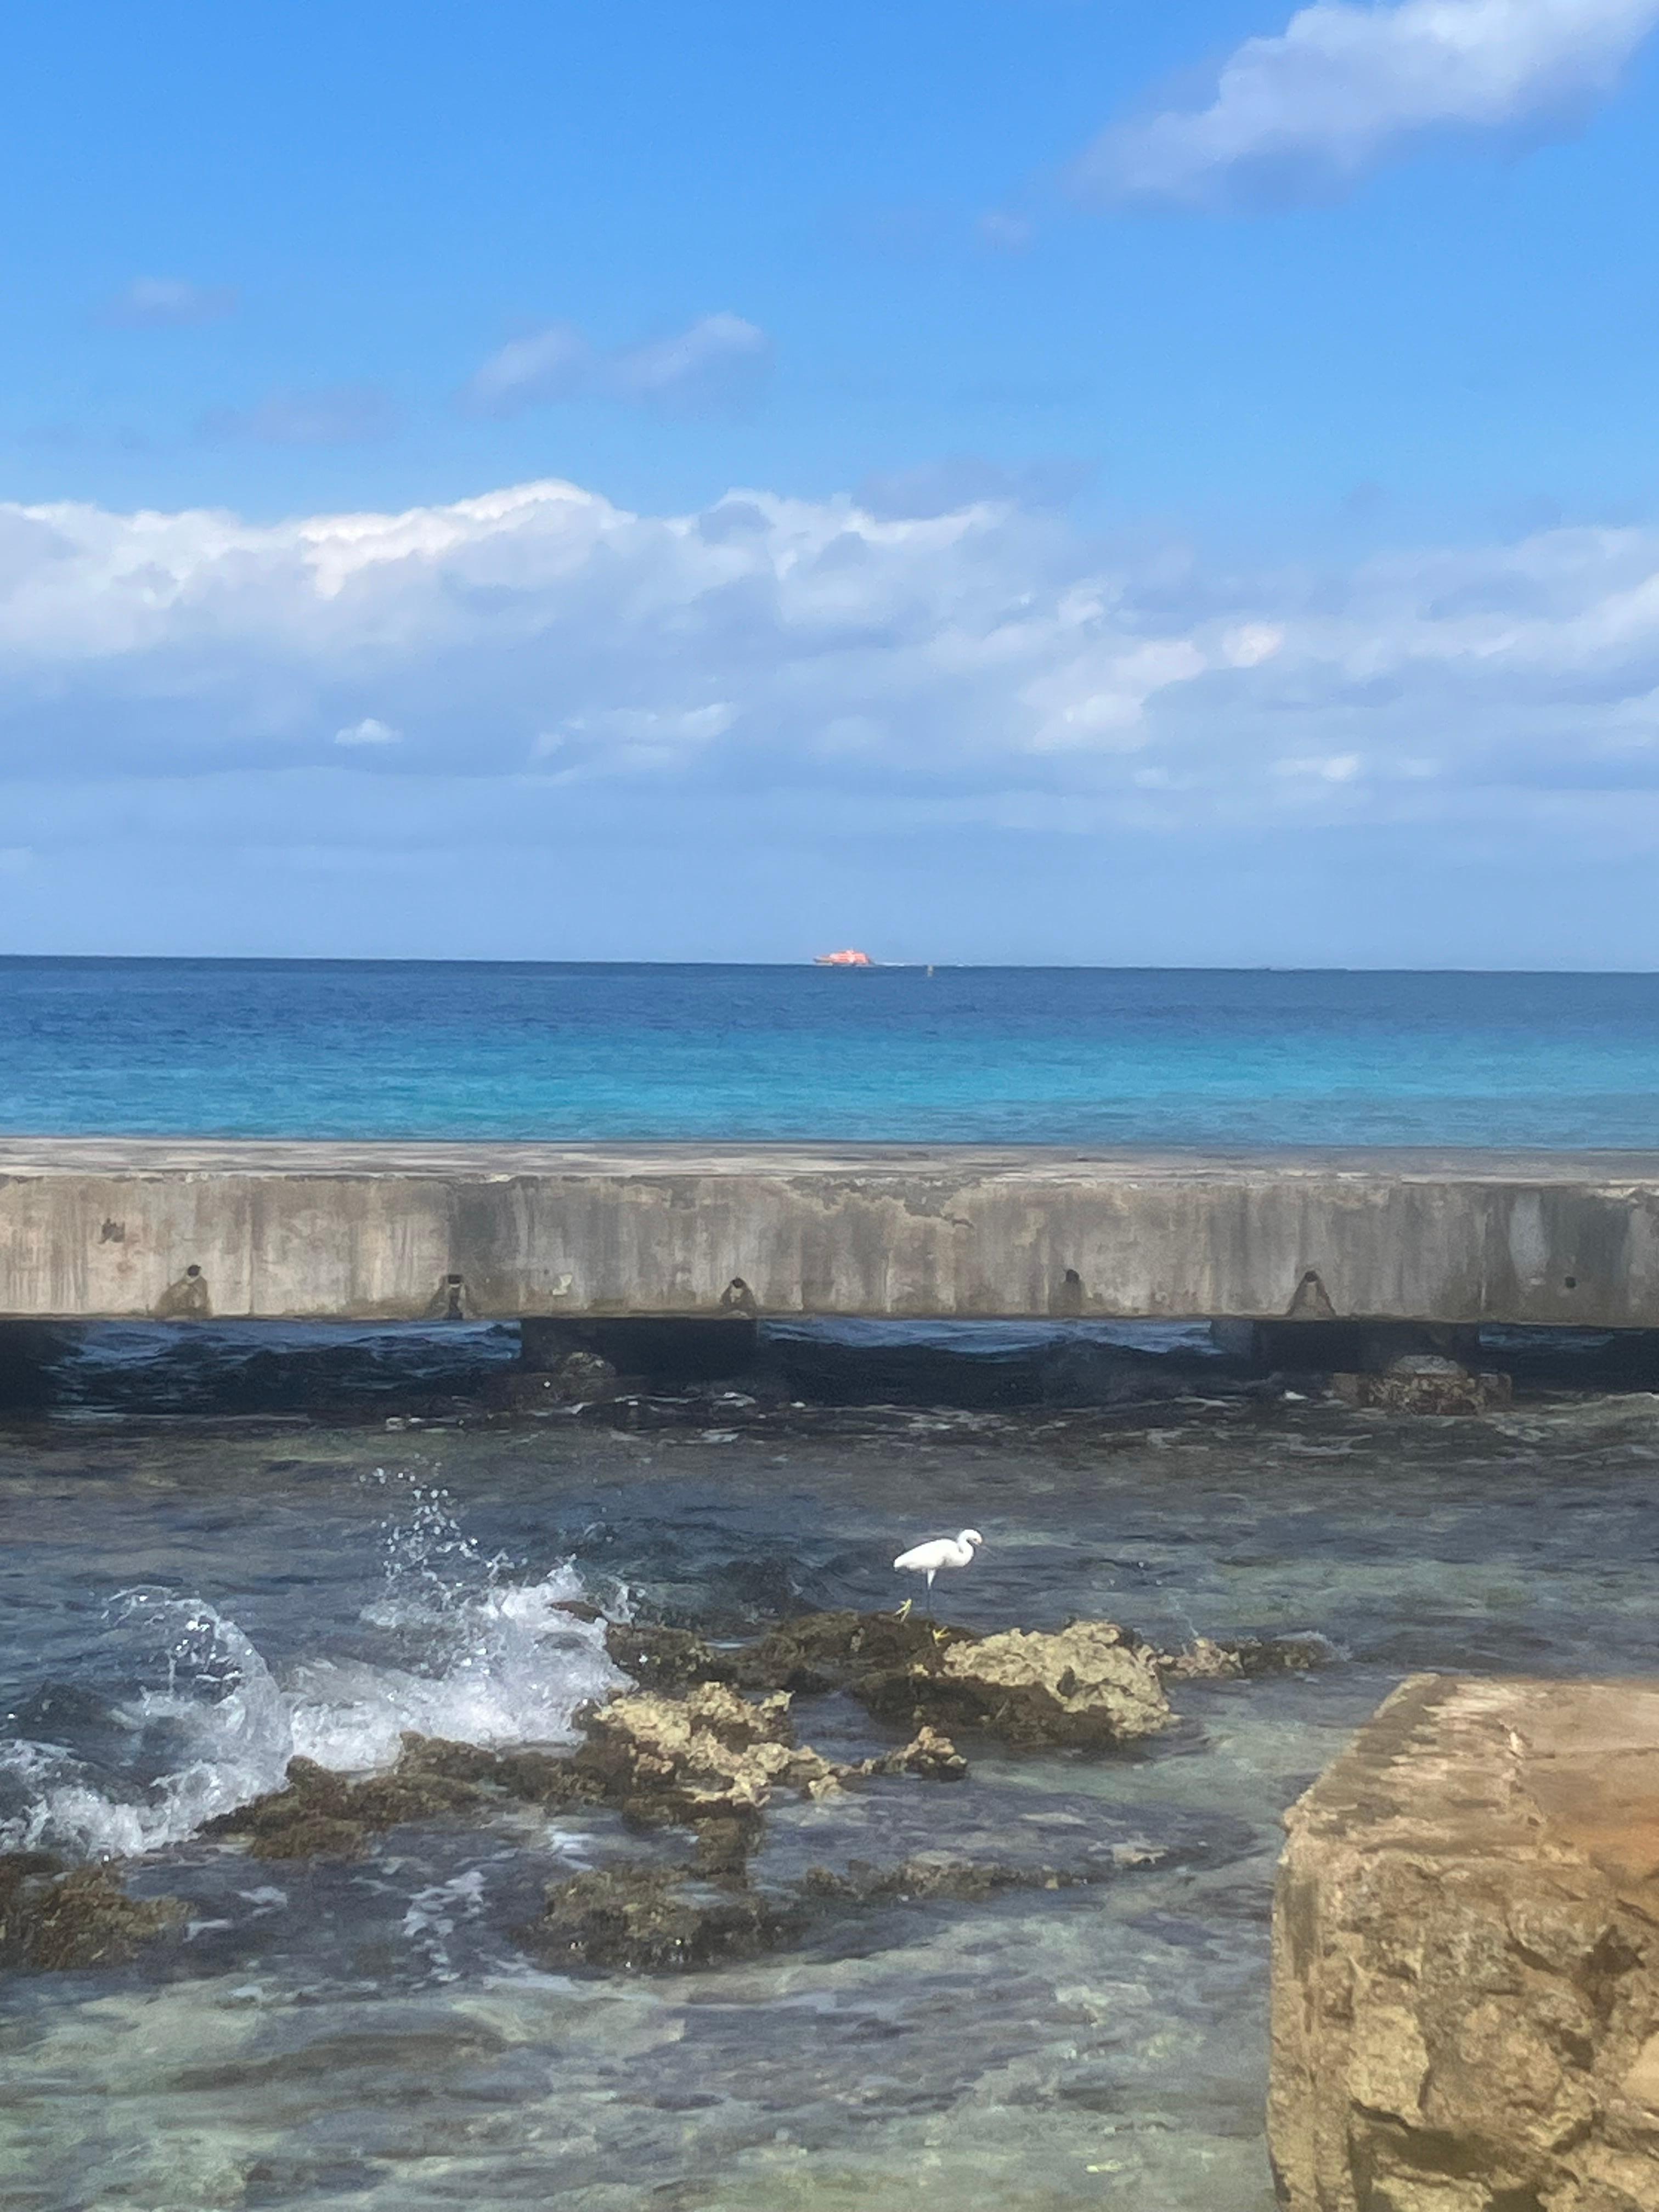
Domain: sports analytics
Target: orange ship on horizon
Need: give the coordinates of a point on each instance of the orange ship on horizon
(849, 958)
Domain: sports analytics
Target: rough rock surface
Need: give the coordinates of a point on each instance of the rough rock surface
(1424, 1382)
(708, 1756)
(899, 1667)
(56, 1918)
(928, 1754)
(1091, 1685)
(839, 1650)
(320, 1814)
(657, 1920)
(1207, 1659)
(1466, 1958)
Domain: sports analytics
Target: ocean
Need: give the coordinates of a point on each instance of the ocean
(1060, 1055)
(224, 1547)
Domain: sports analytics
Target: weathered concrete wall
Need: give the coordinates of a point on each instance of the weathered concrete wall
(1466, 1958)
(91, 1227)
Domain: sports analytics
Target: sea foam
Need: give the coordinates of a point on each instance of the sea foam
(198, 1722)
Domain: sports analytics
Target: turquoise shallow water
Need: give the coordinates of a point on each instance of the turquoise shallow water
(183, 1605)
(1011, 1055)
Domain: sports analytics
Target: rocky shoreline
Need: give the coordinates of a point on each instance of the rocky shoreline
(703, 1740)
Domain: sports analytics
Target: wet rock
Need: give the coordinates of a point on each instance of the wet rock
(926, 1875)
(1092, 1685)
(526, 1777)
(1466, 1973)
(1424, 1382)
(581, 1378)
(1211, 1659)
(928, 1754)
(54, 1919)
(707, 1756)
(669, 1658)
(1204, 1660)
(824, 1651)
(321, 1814)
(657, 1920)
(725, 1846)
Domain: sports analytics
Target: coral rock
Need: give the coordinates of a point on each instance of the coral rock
(57, 1919)
(1093, 1684)
(698, 1758)
(1466, 1958)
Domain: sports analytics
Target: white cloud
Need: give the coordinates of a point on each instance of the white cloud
(1345, 87)
(717, 362)
(159, 303)
(539, 645)
(542, 366)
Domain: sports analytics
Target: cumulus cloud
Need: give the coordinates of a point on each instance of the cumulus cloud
(164, 303)
(1345, 86)
(982, 665)
(336, 415)
(716, 364)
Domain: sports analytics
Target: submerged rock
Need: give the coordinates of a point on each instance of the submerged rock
(668, 1919)
(581, 1378)
(54, 1918)
(657, 1920)
(926, 1875)
(1424, 1382)
(1210, 1659)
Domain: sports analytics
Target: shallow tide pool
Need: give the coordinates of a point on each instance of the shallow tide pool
(184, 1604)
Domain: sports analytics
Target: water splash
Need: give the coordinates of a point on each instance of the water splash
(187, 1720)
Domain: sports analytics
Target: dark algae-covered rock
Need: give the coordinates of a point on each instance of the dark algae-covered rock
(320, 1814)
(659, 1920)
(927, 1875)
(1093, 1684)
(670, 1919)
(668, 1658)
(57, 1918)
(1242, 1659)
(839, 1650)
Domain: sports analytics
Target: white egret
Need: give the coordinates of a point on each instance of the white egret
(940, 1552)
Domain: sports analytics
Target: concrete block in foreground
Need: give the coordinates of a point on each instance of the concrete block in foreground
(1466, 1957)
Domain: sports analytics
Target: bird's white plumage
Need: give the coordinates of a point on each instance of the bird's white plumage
(940, 1552)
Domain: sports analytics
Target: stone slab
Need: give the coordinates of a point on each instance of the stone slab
(1466, 1957)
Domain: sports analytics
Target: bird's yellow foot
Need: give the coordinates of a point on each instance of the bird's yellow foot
(904, 1610)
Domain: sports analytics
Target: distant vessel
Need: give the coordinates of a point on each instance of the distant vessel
(847, 959)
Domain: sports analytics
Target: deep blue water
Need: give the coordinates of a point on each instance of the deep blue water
(1028, 1055)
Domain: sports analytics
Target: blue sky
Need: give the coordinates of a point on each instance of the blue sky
(1028, 479)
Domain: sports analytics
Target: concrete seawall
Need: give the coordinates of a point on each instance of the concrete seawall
(105, 1228)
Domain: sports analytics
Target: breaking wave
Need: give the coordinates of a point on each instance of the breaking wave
(182, 1719)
